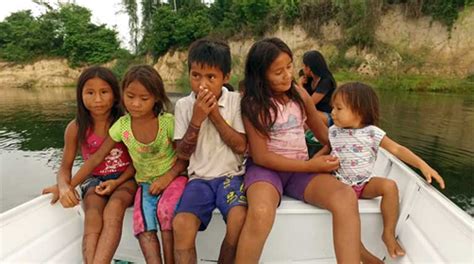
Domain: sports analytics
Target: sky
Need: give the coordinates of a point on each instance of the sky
(103, 12)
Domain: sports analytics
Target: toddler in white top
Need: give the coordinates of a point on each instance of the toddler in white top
(355, 140)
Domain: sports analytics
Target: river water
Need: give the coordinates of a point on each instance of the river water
(437, 127)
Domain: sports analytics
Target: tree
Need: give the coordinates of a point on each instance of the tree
(130, 8)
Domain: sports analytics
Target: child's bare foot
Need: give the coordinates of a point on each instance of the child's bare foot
(368, 258)
(394, 249)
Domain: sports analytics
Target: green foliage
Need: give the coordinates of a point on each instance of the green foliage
(445, 11)
(66, 32)
(19, 41)
(315, 14)
(123, 61)
(169, 28)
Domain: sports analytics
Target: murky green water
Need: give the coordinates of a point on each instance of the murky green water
(438, 127)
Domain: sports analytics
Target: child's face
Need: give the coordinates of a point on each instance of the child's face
(343, 116)
(280, 73)
(202, 76)
(138, 101)
(98, 96)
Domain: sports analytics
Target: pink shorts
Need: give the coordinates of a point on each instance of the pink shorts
(153, 211)
(358, 189)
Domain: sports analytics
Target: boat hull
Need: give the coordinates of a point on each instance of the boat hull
(430, 227)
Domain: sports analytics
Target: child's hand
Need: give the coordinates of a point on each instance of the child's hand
(106, 187)
(160, 184)
(214, 113)
(430, 173)
(324, 163)
(53, 189)
(68, 197)
(205, 102)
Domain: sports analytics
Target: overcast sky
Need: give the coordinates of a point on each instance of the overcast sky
(103, 12)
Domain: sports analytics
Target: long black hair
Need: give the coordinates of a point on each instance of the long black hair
(317, 64)
(257, 104)
(152, 81)
(84, 119)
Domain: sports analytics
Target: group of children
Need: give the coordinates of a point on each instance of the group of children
(140, 157)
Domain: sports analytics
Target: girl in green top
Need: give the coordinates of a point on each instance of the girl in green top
(147, 131)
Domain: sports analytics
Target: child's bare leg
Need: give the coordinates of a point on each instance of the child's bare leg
(114, 212)
(366, 257)
(262, 200)
(235, 222)
(150, 246)
(93, 209)
(185, 228)
(388, 190)
(167, 238)
(327, 192)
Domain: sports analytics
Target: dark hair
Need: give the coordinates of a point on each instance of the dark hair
(300, 73)
(229, 87)
(213, 53)
(257, 104)
(151, 80)
(84, 119)
(317, 64)
(361, 99)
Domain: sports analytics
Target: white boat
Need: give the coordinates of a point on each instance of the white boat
(431, 229)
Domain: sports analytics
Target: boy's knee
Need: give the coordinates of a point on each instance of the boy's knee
(181, 222)
(238, 214)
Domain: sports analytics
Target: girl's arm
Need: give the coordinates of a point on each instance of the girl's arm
(325, 150)
(265, 158)
(108, 187)
(314, 121)
(317, 97)
(162, 182)
(411, 158)
(93, 161)
(70, 198)
(63, 177)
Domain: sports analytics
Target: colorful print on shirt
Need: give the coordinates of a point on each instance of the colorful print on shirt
(287, 134)
(153, 159)
(357, 151)
(117, 160)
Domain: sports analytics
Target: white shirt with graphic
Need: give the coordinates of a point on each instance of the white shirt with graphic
(357, 151)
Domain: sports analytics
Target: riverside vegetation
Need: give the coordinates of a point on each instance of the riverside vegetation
(67, 32)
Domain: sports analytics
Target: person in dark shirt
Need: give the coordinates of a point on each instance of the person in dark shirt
(319, 82)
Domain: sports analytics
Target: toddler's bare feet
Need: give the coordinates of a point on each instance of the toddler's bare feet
(368, 258)
(394, 249)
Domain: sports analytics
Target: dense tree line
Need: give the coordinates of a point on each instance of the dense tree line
(163, 25)
(66, 32)
(176, 23)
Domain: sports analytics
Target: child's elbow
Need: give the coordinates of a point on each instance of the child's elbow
(240, 149)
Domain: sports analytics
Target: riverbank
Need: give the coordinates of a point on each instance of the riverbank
(411, 82)
(408, 54)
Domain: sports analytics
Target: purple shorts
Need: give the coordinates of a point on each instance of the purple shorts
(292, 184)
(201, 197)
(151, 211)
